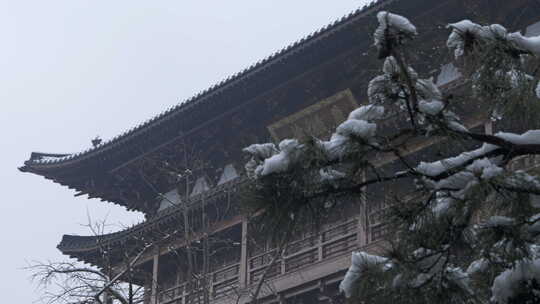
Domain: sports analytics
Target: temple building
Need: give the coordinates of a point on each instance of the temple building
(183, 168)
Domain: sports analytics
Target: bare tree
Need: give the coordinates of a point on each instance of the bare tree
(194, 227)
(75, 282)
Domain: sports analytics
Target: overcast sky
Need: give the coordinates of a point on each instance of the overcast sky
(74, 69)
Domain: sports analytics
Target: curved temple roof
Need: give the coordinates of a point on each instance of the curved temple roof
(39, 162)
(54, 166)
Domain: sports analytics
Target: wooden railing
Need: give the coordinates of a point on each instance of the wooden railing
(171, 294)
(335, 241)
(525, 162)
(218, 284)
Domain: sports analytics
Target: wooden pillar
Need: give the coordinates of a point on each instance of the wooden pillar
(323, 297)
(281, 299)
(155, 268)
(488, 127)
(244, 254)
(184, 295)
(320, 255)
(362, 224)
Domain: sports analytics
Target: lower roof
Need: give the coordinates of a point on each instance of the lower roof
(89, 248)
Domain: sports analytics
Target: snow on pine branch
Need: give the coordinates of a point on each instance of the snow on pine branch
(531, 137)
(267, 159)
(432, 107)
(358, 129)
(392, 30)
(400, 83)
(367, 113)
(386, 88)
(464, 32)
(361, 262)
(509, 282)
(481, 166)
(451, 183)
(429, 265)
(528, 44)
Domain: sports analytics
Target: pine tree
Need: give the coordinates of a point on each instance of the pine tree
(465, 227)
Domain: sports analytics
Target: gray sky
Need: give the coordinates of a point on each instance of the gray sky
(74, 69)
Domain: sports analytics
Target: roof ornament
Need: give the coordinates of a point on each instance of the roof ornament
(96, 141)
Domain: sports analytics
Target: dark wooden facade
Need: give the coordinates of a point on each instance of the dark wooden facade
(310, 84)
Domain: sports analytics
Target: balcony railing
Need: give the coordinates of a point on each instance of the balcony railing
(525, 162)
(333, 242)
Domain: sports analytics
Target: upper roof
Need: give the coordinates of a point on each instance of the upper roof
(42, 161)
(92, 171)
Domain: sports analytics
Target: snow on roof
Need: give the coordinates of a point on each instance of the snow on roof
(229, 173)
(201, 185)
(169, 199)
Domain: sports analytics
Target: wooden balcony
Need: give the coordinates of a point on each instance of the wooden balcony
(336, 241)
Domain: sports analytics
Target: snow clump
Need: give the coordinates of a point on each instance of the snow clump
(428, 89)
(432, 107)
(357, 125)
(436, 168)
(396, 26)
(463, 29)
(477, 266)
(360, 263)
(509, 281)
(280, 162)
(266, 159)
(357, 128)
(479, 169)
(531, 137)
(527, 44)
(386, 87)
(261, 151)
(368, 113)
